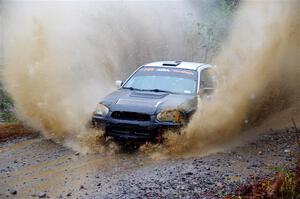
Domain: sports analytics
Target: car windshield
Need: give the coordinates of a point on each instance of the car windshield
(163, 79)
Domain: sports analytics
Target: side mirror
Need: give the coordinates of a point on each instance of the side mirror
(205, 91)
(119, 83)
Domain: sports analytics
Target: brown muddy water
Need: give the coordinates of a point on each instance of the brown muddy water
(34, 166)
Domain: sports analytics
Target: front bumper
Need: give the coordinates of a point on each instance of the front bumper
(131, 129)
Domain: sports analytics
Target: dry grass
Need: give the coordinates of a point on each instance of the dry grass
(285, 184)
(11, 131)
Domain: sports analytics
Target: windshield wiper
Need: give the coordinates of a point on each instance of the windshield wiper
(157, 90)
(153, 90)
(132, 88)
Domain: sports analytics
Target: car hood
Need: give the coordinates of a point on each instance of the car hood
(145, 101)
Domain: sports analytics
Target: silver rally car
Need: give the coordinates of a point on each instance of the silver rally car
(156, 97)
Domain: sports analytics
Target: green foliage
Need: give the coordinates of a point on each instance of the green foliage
(289, 186)
(211, 29)
(6, 107)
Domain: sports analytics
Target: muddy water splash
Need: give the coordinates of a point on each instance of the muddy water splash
(260, 68)
(60, 58)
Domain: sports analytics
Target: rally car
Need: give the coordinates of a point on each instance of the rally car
(156, 97)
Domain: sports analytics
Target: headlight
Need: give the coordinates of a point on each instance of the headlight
(169, 116)
(101, 110)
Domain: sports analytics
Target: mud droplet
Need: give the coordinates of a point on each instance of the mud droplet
(13, 192)
(42, 195)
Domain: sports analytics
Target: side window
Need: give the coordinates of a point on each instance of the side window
(208, 78)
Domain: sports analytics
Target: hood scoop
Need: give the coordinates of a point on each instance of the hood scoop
(148, 95)
(132, 102)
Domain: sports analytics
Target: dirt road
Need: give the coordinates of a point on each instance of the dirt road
(33, 167)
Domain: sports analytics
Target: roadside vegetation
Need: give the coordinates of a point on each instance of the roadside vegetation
(284, 185)
(207, 36)
(6, 107)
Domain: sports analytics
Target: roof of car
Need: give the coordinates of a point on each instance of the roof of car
(177, 64)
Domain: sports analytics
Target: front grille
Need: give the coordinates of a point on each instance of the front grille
(128, 131)
(123, 115)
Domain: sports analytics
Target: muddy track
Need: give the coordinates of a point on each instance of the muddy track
(36, 167)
